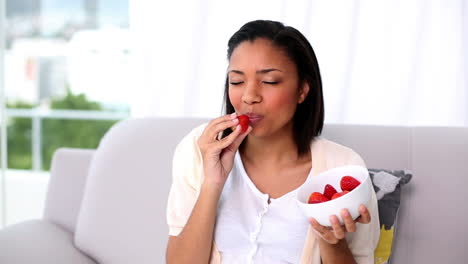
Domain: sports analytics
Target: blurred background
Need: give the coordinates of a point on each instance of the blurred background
(71, 69)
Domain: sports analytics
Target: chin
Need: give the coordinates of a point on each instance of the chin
(259, 131)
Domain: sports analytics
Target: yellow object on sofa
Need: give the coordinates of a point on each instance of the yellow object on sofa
(387, 185)
(384, 247)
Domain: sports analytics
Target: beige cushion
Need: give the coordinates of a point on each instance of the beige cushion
(39, 242)
(66, 186)
(122, 218)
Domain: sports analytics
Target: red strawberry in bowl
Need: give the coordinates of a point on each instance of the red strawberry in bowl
(244, 122)
(329, 191)
(348, 183)
(338, 195)
(357, 190)
(317, 197)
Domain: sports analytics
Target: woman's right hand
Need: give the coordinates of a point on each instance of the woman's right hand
(218, 155)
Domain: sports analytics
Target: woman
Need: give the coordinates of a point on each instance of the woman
(232, 197)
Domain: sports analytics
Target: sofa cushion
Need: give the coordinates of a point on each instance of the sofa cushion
(39, 242)
(387, 185)
(123, 214)
(66, 186)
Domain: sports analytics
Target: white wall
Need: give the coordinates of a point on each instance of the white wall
(383, 62)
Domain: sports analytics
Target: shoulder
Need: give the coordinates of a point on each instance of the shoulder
(336, 154)
(196, 132)
(331, 146)
(187, 161)
(189, 141)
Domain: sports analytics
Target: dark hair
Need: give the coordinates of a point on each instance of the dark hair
(309, 116)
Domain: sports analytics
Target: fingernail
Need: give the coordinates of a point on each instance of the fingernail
(235, 120)
(234, 115)
(345, 212)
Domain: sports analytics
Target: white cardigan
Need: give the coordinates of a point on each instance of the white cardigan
(188, 177)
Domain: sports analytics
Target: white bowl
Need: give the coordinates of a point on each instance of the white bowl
(351, 201)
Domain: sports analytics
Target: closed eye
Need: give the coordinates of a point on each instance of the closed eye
(272, 83)
(236, 83)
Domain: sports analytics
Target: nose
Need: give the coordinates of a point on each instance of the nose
(251, 95)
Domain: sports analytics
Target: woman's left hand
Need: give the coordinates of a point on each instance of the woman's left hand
(333, 234)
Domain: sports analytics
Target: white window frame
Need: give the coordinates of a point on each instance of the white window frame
(36, 115)
(2, 116)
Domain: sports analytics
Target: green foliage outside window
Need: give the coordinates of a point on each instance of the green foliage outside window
(55, 133)
(19, 139)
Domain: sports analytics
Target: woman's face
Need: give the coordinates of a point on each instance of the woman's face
(264, 84)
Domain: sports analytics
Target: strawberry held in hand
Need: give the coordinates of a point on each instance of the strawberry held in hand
(244, 122)
(317, 197)
(348, 183)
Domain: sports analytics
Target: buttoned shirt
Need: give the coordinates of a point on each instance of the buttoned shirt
(262, 232)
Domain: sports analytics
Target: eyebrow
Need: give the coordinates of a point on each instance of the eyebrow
(263, 71)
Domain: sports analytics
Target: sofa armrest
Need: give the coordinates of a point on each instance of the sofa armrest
(39, 242)
(68, 175)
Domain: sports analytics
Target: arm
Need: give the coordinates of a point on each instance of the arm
(194, 242)
(335, 253)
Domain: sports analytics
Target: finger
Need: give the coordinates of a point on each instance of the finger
(324, 232)
(239, 139)
(231, 143)
(215, 129)
(221, 119)
(228, 141)
(348, 221)
(337, 228)
(365, 216)
(208, 133)
(218, 129)
(318, 227)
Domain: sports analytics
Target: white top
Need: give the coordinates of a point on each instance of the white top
(187, 178)
(249, 230)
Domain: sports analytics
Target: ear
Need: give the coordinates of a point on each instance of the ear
(303, 92)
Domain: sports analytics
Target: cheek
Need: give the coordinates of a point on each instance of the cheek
(285, 101)
(235, 97)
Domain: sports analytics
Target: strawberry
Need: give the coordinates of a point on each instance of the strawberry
(348, 183)
(244, 122)
(317, 197)
(337, 195)
(329, 191)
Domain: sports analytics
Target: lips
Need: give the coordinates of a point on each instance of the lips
(254, 118)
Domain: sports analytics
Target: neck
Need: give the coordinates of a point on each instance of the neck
(276, 149)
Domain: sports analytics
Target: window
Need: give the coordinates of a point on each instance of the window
(64, 65)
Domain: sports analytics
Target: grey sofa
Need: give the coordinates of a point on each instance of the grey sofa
(431, 221)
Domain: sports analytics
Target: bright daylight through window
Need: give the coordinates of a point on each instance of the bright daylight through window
(64, 65)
